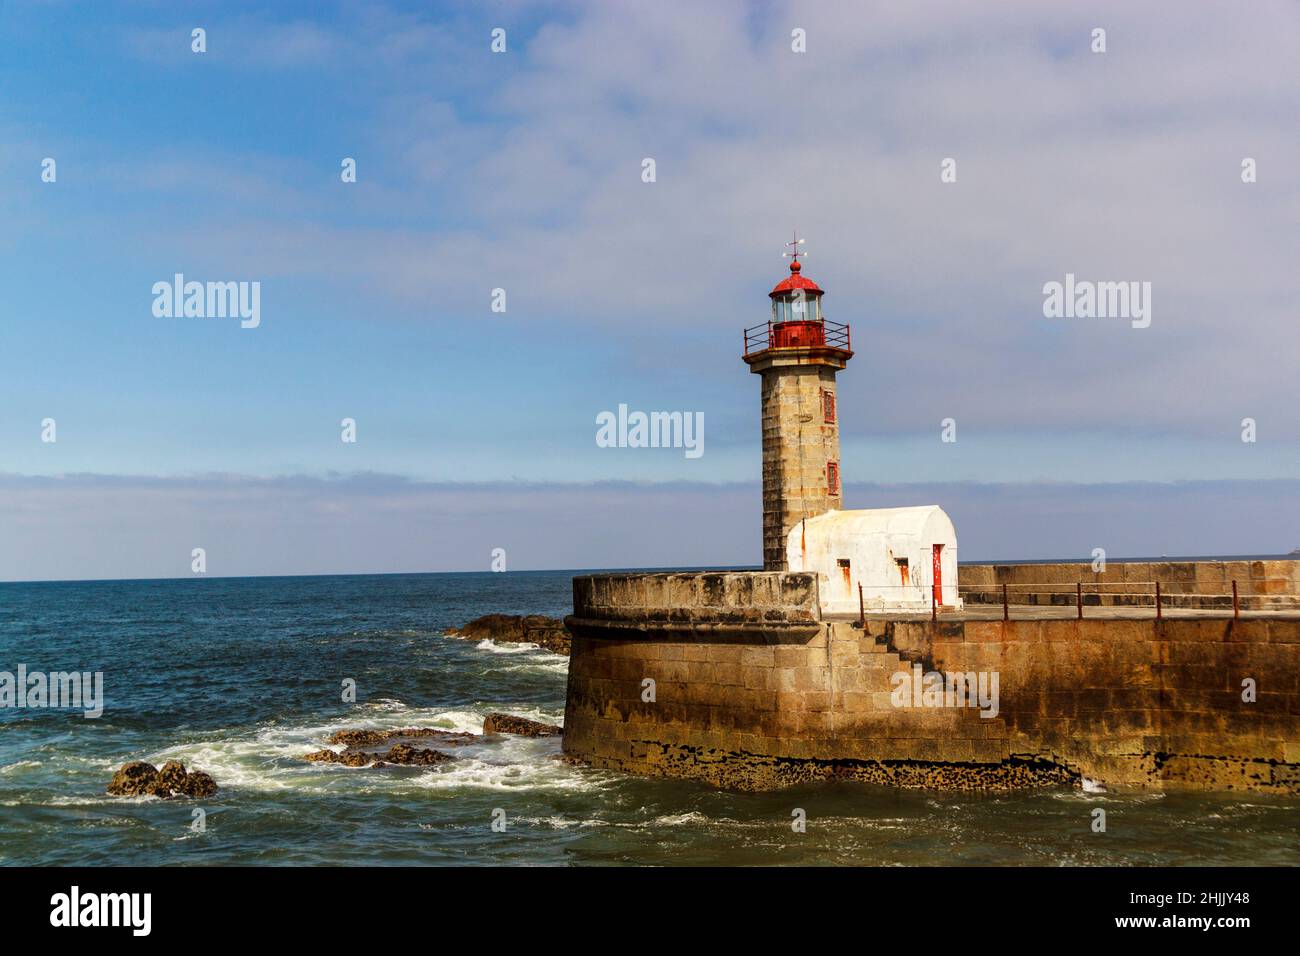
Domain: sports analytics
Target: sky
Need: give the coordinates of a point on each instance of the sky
(522, 170)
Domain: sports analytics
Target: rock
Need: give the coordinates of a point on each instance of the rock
(364, 738)
(522, 726)
(171, 776)
(362, 747)
(137, 779)
(547, 632)
(349, 758)
(133, 779)
(400, 754)
(199, 784)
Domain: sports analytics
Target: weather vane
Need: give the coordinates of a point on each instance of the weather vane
(794, 252)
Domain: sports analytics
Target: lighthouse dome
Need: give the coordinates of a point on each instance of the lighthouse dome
(795, 281)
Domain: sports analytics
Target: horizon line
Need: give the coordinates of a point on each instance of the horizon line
(1291, 556)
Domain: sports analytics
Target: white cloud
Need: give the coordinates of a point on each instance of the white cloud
(95, 526)
(1116, 166)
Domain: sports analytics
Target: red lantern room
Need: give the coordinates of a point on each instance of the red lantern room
(796, 310)
(797, 318)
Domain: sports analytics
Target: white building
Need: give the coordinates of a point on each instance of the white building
(902, 557)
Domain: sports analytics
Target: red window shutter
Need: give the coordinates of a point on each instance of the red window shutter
(828, 406)
(833, 477)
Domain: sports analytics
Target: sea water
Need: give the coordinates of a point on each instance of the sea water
(240, 677)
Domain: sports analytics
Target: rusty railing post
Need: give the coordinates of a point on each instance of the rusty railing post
(1158, 615)
(1078, 598)
(1005, 614)
(1236, 608)
(862, 608)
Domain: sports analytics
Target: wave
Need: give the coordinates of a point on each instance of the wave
(559, 666)
(526, 658)
(522, 647)
(269, 758)
(19, 765)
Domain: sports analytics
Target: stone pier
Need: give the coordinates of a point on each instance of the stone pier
(736, 679)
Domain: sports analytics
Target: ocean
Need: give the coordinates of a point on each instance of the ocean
(240, 677)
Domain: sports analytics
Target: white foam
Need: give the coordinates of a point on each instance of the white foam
(562, 823)
(480, 773)
(556, 664)
(688, 819)
(682, 819)
(1104, 796)
(269, 758)
(83, 800)
(19, 765)
(523, 647)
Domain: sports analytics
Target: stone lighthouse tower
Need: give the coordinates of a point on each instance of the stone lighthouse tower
(797, 352)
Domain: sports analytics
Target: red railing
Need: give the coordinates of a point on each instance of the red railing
(797, 334)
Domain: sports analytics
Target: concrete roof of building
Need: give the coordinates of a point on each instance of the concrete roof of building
(912, 520)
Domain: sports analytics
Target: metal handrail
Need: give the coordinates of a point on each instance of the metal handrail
(1159, 598)
(1195, 600)
(836, 335)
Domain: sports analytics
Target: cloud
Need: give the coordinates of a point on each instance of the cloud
(523, 171)
(1119, 166)
(95, 526)
(245, 41)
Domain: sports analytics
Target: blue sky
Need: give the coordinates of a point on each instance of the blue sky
(522, 171)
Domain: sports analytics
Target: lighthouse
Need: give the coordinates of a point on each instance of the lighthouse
(797, 351)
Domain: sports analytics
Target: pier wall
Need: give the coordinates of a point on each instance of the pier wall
(1142, 703)
(726, 597)
(738, 683)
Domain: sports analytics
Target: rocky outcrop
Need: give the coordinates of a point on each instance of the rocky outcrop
(358, 739)
(198, 784)
(348, 758)
(547, 632)
(521, 726)
(134, 779)
(363, 748)
(405, 755)
(139, 779)
(399, 754)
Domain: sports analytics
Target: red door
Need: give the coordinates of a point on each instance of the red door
(938, 574)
